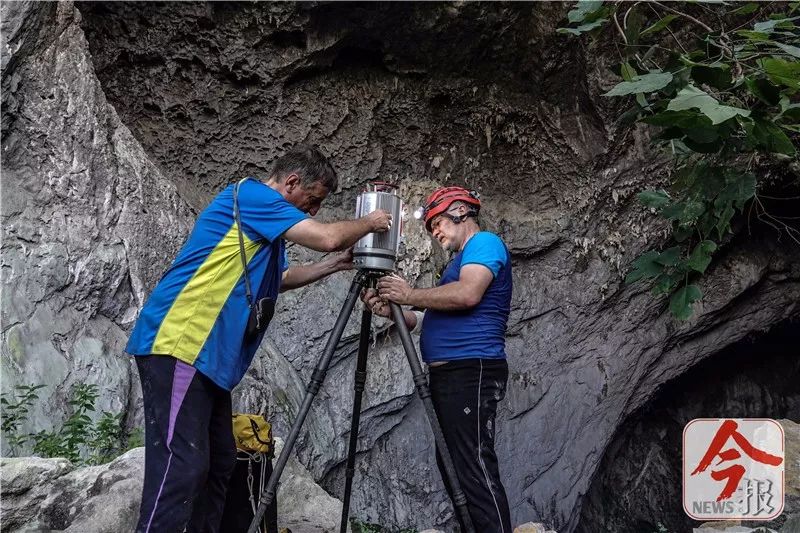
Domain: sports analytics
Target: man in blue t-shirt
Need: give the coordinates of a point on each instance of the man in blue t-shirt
(463, 342)
(199, 329)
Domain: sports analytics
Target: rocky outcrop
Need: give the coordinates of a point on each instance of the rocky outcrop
(638, 484)
(88, 220)
(481, 94)
(53, 495)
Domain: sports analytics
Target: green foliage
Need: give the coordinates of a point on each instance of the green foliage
(14, 411)
(719, 99)
(588, 15)
(79, 439)
(645, 83)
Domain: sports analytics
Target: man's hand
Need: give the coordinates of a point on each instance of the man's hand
(341, 261)
(375, 303)
(394, 288)
(379, 220)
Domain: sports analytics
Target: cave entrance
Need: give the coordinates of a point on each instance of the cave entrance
(637, 487)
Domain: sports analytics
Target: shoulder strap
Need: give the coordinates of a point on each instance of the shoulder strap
(241, 244)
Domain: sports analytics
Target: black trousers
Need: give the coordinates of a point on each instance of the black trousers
(465, 395)
(189, 448)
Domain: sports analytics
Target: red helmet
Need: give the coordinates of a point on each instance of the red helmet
(439, 201)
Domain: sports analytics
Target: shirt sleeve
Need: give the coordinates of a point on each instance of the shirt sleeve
(485, 249)
(265, 212)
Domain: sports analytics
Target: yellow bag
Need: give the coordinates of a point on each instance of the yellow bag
(252, 433)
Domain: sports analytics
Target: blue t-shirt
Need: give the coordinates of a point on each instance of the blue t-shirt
(479, 332)
(198, 311)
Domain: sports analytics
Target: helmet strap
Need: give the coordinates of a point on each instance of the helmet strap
(458, 219)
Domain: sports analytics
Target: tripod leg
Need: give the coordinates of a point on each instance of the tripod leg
(459, 500)
(360, 379)
(317, 377)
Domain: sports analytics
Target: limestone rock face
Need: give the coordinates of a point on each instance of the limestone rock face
(485, 95)
(52, 495)
(638, 484)
(88, 221)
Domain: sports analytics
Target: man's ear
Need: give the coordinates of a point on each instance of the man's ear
(291, 182)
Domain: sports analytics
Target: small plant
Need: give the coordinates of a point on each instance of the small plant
(107, 439)
(80, 439)
(14, 411)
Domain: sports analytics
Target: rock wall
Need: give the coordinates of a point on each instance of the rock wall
(89, 222)
(55, 495)
(483, 95)
(638, 484)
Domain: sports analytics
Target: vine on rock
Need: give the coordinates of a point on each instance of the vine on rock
(721, 85)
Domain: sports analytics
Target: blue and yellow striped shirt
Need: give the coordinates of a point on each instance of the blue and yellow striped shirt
(198, 311)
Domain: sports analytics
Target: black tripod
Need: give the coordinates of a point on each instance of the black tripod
(363, 279)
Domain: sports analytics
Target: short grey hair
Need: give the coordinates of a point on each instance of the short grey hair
(310, 165)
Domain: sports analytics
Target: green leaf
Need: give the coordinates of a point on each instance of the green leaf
(705, 225)
(755, 36)
(684, 212)
(789, 49)
(682, 119)
(738, 189)
(583, 28)
(714, 76)
(700, 257)
(680, 233)
(769, 136)
(681, 302)
(659, 25)
(691, 97)
(665, 283)
(654, 199)
(724, 221)
(703, 148)
(644, 266)
(768, 26)
(644, 83)
(763, 90)
(790, 111)
(702, 135)
(670, 256)
(627, 71)
(782, 72)
(583, 9)
(746, 9)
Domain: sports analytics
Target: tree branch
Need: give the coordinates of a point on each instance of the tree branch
(682, 14)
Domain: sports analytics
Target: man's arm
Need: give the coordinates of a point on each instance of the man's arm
(299, 276)
(337, 235)
(465, 293)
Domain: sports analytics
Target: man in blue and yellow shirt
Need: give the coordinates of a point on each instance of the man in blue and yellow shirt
(463, 342)
(192, 342)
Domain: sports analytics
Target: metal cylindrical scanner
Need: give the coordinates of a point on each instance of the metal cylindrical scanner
(378, 251)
